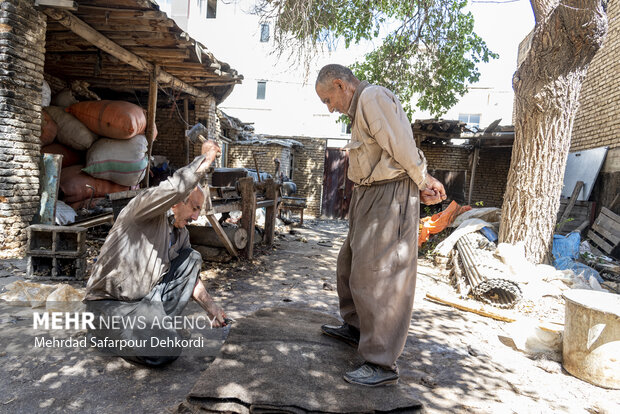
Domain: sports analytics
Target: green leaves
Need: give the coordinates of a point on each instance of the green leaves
(428, 47)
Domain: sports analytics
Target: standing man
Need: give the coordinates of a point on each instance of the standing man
(376, 267)
(147, 271)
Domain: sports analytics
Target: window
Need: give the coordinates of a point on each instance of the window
(260, 89)
(264, 32)
(211, 9)
(345, 128)
(472, 120)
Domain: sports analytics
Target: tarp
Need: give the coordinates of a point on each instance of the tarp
(277, 361)
(438, 222)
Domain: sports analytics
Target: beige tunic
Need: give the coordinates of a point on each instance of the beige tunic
(138, 249)
(382, 145)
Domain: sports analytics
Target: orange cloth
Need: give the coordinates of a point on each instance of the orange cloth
(438, 222)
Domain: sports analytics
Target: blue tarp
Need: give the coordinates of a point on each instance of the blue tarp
(565, 252)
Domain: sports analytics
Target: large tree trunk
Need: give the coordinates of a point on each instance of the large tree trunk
(547, 86)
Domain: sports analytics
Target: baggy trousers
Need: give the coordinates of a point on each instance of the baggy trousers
(376, 267)
(151, 316)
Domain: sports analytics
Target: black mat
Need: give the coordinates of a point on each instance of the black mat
(277, 361)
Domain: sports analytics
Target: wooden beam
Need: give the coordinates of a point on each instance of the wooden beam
(186, 117)
(271, 212)
(473, 173)
(61, 4)
(84, 30)
(571, 204)
(248, 212)
(150, 120)
(222, 235)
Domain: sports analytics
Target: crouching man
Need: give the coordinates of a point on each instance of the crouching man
(146, 271)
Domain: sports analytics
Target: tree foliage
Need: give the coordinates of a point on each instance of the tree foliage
(428, 47)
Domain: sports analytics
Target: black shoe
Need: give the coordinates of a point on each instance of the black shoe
(371, 375)
(344, 332)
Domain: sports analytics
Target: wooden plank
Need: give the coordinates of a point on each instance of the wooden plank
(150, 120)
(61, 4)
(600, 243)
(248, 212)
(569, 207)
(120, 13)
(465, 307)
(227, 207)
(612, 238)
(473, 173)
(264, 203)
(96, 221)
(121, 4)
(607, 223)
(272, 211)
(222, 235)
(610, 214)
(84, 30)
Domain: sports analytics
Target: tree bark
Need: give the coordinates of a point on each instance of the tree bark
(547, 86)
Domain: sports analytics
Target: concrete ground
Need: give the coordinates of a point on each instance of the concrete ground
(453, 362)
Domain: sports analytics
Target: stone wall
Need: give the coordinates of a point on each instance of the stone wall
(308, 166)
(491, 172)
(22, 55)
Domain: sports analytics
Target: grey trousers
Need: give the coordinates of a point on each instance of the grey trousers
(150, 316)
(377, 267)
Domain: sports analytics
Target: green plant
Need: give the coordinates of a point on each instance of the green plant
(563, 222)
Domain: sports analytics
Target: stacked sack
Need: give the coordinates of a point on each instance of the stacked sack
(103, 146)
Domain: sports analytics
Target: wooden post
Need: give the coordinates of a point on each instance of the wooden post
(271, 193)
(248, 211)
(569, 207)
(150, 120)
(473, 172)
(186, 115)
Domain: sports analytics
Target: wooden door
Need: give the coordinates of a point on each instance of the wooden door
(337, 188)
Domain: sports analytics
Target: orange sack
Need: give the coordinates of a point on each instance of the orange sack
(438, 222)
(73, 184)
(69, 155)
(112, 119)
(49, 129)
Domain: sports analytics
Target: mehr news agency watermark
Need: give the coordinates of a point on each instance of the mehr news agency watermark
(56, 321)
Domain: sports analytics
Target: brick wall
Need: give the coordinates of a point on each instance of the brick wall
(206, 113)
(170, 141)
(22, 55)
(597, 122)
(240, 156)
(308, 165)
(491, 176)
(491, 172)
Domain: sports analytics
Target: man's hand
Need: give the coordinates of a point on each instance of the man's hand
(434, 192)
(210, 150)
(217, 314)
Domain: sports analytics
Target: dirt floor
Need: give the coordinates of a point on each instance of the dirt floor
(453, 362)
